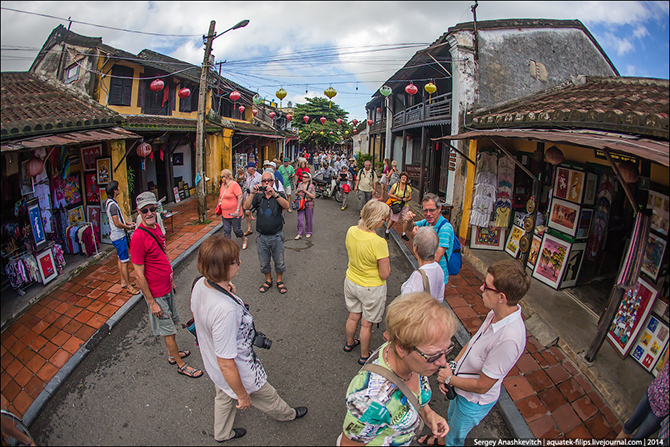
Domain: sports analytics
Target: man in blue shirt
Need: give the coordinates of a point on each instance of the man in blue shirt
(432, 212)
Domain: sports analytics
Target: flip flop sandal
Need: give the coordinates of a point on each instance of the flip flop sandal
(349, 348)
(362, 360)
(244, 245)
(182, 355)
(266, 286)
(426, 438)
(132, 290)
(189, 372)
(248, 233)
(281, 287)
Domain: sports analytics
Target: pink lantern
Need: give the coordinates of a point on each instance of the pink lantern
(143, 149)
(241, 109)
(235, 95)
(289, 117)
(254, 112)
(369, 122)
(411, 89)
(34, 167)
(379, 110)
(272, 115)
(331, 132)
(355, 122)
(323, 120)
(156, 85)
(306, 118)
(184, 93)
(355, 131)
(339, 121)
(314, 132)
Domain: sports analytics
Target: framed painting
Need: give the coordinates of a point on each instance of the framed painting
(653, 256)
(630, 317)
(576, 187)
(36, 224)
(93, 215)
(105, 228)
(561, 183)
(487, 238)
(46, 265)
(563, 216)
(534, 250)
(657, 368)
(103, 170)
(91, 187)
(551, 260)
(76, 215)
(177, 196)
(573, 264)
(651, 342)
(178, 159)
(660, 206)
(72, 190)
(512, 246)
(27, 184)
(584, 225)
(89, 155)
(102, 193)
(590, 189)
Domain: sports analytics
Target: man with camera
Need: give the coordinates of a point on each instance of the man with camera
(270, 205)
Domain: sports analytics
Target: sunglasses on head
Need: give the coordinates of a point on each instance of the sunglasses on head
(146, 210)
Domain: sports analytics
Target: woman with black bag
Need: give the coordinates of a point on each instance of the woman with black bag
(226, 338)
(400, 195)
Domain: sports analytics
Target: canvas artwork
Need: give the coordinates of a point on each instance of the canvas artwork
(651, 342)
(102, 193)
(534, 250)
(512, 246)
(89, 155)
(573, 265)
(653, 256)
(576, 186)
(105, 228)
(103, 169)
(47, 266)
(36, 223)
(590, 189)
(584, 226)
(94, 216)
(91, 187)
(660, 206)
(178, 159)
(631, 317)
(563, 216)
(76, 215)
(551, 260)
(562, 182)
(489, 238)
(72, 190)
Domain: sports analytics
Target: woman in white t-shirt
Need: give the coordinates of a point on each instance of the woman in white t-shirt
(226, 336)
(425, 244)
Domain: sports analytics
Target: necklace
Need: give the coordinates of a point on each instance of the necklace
(386, 357)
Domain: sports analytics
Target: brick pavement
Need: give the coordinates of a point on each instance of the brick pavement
(36, 346)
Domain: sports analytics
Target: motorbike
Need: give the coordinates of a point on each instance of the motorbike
(326, 188)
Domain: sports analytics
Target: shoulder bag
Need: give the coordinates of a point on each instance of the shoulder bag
(396, 206)
(426, 283)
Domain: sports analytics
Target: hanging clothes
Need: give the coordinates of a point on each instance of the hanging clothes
(503, 206)
(485, 189)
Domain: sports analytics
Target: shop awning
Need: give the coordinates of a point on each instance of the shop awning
(64, 139)
(250, 134)
(656, 151)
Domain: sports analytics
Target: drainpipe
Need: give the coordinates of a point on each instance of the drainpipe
(474, 16)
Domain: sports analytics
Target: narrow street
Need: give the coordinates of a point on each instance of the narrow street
(125, 393)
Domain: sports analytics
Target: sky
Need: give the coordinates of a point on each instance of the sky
(305, 47)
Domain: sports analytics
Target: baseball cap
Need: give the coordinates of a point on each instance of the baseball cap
(273, 164)
(251, 164)
(146, 198)
(266, 162)
(286, 159)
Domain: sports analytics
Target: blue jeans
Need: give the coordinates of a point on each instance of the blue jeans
(462, 417)
(233, 222)
(271, 247)
(643, 418)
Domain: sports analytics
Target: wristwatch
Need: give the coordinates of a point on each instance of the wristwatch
(448, 379)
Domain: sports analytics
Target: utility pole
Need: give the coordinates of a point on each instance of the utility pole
(200, 129)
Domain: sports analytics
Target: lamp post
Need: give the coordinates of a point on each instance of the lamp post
(200, 130)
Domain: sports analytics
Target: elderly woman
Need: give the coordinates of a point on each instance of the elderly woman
(226, 335)
(302, 167)
(378, 412)
(305, 189)
(400, 193)
(365, 281)
(425, 244)
(230, 200)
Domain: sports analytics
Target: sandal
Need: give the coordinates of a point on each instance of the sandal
(362, 360)
(266, 286)
(182, 355)
(244, 245)
(132, 290)
(192, 372)
(349, 348)
(426, 439)
(249, 232)
(281, 287)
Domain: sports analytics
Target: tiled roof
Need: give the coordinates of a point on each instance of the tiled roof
(636, 106)
(161, 123)
(33, 105)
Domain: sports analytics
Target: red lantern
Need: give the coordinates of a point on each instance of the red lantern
(379, 110)
(241, 109)
(184, 93)
(369, 122)
(156, 85)
(143, 149)
(339, 121)
(323, 120)
(34, 167)
(314, 132)
(254, 112)
(355, 131)
(355, 122)
(235, 95)
(272, 115)
(289, 117)
(331, 132)
(411, 89)
(306, 118)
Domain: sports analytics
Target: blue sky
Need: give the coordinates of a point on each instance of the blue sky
(353, 46)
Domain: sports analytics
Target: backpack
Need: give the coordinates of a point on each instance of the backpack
(454, 263)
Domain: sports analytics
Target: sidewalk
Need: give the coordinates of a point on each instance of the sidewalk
(554, 397)
(41, 348)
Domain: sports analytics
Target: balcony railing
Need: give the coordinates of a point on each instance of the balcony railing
(439, 108)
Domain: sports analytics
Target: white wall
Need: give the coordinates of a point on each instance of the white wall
(184, 171)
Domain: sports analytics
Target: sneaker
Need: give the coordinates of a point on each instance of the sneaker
(308, 236)
(404, 237)
(343, 208)
(297, 237)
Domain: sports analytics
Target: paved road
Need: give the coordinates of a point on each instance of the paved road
(125, 393)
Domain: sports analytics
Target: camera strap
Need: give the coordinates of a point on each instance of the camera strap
(225, 292)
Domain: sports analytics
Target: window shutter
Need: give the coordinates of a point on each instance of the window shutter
(120, 90)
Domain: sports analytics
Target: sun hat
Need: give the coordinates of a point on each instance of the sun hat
(146, 198)
(287, 159)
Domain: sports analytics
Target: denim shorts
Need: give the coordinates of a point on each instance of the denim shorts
(121, 246)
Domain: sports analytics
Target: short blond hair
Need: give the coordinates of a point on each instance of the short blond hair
(417, 319)
(226, 173)
(374, 212)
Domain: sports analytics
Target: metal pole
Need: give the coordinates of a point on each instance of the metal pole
(200, 132)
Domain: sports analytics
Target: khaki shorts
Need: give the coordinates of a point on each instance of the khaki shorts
(167, 323)
(287, 190)
(370, 301)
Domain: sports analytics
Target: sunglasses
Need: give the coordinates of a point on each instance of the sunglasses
(236, 262)
(435, 357)
(146, 210)
(491, 289)
(266, 181)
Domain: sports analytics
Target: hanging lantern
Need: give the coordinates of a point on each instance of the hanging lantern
(306, 118)
(330, 133)
(257, 99)
(156, 85)
(339, 121)
(272, 115)
(143, 149)
(379, 110)
(300, 131)
(184, 93)
(321, 132)
(254, 111)
(289, 117)
(554, 156)
(369, 122)
(355, 131)
(281, 94)
(411, 89)
(323, 120)
(330, 92)
(241, 109)
(430, 88)
(234, 95)
(355, 122)
(34, 167)
(385, 91)
(629, 171)
(314, 132)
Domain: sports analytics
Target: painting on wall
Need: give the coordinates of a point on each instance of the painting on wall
(573, 264)
(653, 256)
(564, 216)
(91, 187)
(590, 189)
(569, 185)
(631, 315)
(76, 215)
(488, 238)
(649, 346)
(93, 215)
(534, 250)
(660, 206)
(561, 183)
(36, 224)
(105, 228)
(178, 159)
(584, 226)
(551, 260)
(103, 169)
(512, 246)
(89, 155)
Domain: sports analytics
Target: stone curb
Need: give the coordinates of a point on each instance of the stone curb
(515, 422)
(54, 384)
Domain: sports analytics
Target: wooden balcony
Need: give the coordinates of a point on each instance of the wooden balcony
(438, 109)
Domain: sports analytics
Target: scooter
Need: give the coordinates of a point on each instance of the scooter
(326, 189)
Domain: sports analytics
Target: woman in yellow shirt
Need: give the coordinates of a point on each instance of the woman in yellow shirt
(365, 281)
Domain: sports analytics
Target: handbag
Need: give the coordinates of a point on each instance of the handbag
(218, 210)
(346, 189)
(396, 206)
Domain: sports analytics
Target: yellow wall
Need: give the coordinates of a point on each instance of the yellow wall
(117, 149)
(469, 187)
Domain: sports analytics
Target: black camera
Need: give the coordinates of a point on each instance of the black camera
(262, 188)
(261, 341)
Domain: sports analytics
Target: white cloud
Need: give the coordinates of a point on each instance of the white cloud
(620, 44)
(640, 32)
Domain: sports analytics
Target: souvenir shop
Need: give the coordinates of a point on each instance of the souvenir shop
(582, 231)
(51, 212)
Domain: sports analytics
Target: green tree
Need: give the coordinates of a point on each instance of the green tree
(315, 108)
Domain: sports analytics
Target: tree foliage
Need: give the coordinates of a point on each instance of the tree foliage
(315, 108)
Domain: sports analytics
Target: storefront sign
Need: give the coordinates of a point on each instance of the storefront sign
(616, 157)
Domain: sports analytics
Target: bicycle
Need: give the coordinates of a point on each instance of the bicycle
(14, 431)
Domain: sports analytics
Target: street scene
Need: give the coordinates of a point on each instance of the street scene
(455, 236)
